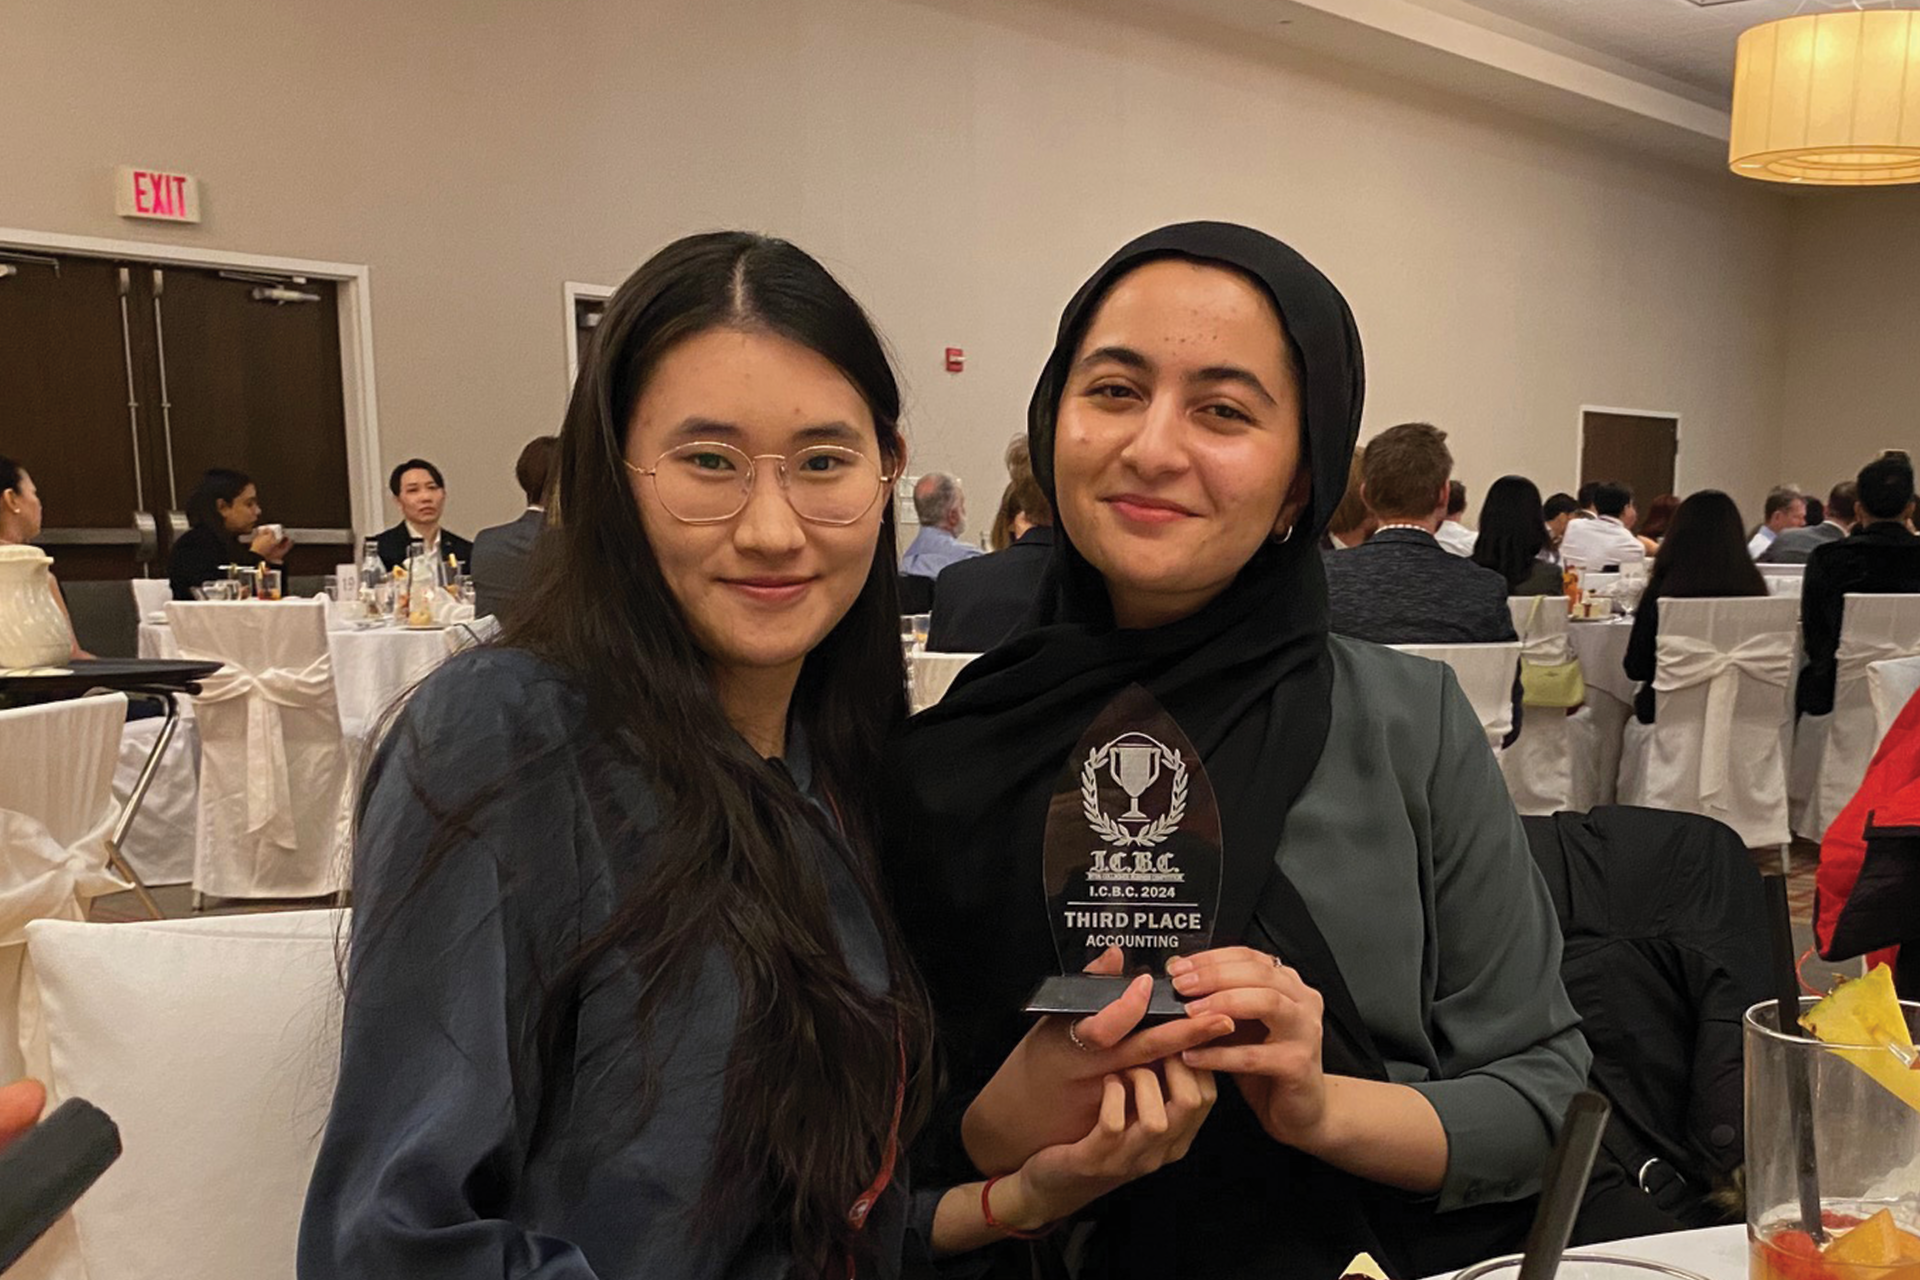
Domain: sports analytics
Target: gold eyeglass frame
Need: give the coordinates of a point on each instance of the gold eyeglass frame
(753, 475)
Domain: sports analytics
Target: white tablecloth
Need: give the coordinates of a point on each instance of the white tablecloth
(371, 667)
(1717, 1253)
(1601, 648)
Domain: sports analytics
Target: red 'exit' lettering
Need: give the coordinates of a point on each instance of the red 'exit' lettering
(160, 194)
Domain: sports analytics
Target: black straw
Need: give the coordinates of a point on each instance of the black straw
(1566, 1185)
(1786, 991)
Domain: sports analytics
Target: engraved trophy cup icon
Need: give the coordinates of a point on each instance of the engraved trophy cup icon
(1134, 769)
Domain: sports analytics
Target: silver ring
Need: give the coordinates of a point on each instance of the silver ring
(1276, 962)
(1078, 1043)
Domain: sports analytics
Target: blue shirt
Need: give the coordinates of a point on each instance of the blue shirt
(932, 551)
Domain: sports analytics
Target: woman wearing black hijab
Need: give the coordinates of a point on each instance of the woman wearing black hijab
(1405, 1047)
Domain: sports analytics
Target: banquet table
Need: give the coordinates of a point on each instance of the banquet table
(372, 666)
(1715, 1253)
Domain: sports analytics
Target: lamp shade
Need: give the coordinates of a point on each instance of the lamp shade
(1831, 98)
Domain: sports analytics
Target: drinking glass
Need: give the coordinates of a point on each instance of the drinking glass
(921, 622)
(269, 580)
(1865, 1149)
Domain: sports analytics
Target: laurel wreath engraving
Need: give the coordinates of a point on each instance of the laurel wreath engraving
(1155, 832)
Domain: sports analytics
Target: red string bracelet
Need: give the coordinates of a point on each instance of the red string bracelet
(986, 1211)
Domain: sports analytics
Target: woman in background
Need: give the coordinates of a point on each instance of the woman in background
(224, 509)
(1654, 524)
(1704, 553)
(1352, 522)
(20, 519)
(1514, 540)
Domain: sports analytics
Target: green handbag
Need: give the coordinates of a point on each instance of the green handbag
(1550, 684)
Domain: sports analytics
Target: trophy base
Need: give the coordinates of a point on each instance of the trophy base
(1087, 993)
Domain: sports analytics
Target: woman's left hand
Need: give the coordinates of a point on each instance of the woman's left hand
(1275, 1057)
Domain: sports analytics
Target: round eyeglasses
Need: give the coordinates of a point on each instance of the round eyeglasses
(705, 482)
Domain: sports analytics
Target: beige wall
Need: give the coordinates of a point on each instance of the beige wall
(1852, 367)
(962, 165)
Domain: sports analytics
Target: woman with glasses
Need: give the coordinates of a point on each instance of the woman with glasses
(622, 996)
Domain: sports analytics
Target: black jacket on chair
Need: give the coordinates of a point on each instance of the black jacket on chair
(1666, 948)
(979, 603)
(393, 546)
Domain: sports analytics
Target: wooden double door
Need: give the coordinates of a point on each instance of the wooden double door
(122, 382)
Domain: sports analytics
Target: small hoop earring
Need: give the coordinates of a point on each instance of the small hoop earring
(1285, 537)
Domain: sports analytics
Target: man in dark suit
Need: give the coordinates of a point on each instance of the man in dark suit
(421, 495)
(1796, 546)
(979, 603)
(500, 553)
(1882, 558)
(1400, 586)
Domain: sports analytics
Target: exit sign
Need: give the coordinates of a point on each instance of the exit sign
(153, 193)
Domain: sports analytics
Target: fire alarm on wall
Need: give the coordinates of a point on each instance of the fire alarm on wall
(956, 360)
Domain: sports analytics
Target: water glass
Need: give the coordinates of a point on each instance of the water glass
(269, 584)
(1865, 1140)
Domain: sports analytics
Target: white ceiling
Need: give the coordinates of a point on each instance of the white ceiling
(1679, 39)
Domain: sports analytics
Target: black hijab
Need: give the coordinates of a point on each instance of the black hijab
(1249, 679)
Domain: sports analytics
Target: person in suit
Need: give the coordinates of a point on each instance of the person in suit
(421, 494)
(1702, 555)
(980, 602)
(224, 510)
(500, 553)
(1796, 546)
(1882, 557)
(1401, 586)
(1513, 539)
(1786, 509)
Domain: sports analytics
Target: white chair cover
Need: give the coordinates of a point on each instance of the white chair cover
(56, 816)
(1784, 579)
(159, 844)
(930, 675)
(1723, 682)
(274, 769)
(1538, 766)
(1891, 684)
(1486, 673)
(150, 596)
(1872, 629)
(213, 1044)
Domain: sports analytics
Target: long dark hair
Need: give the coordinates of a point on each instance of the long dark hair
(1705, 552)
(1659, 517)
(816, 1060)
(1513, 530)
(219, 485)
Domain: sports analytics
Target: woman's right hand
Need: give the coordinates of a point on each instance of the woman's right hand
(1130, 1138)
(270, 547)
(1051, 1089)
